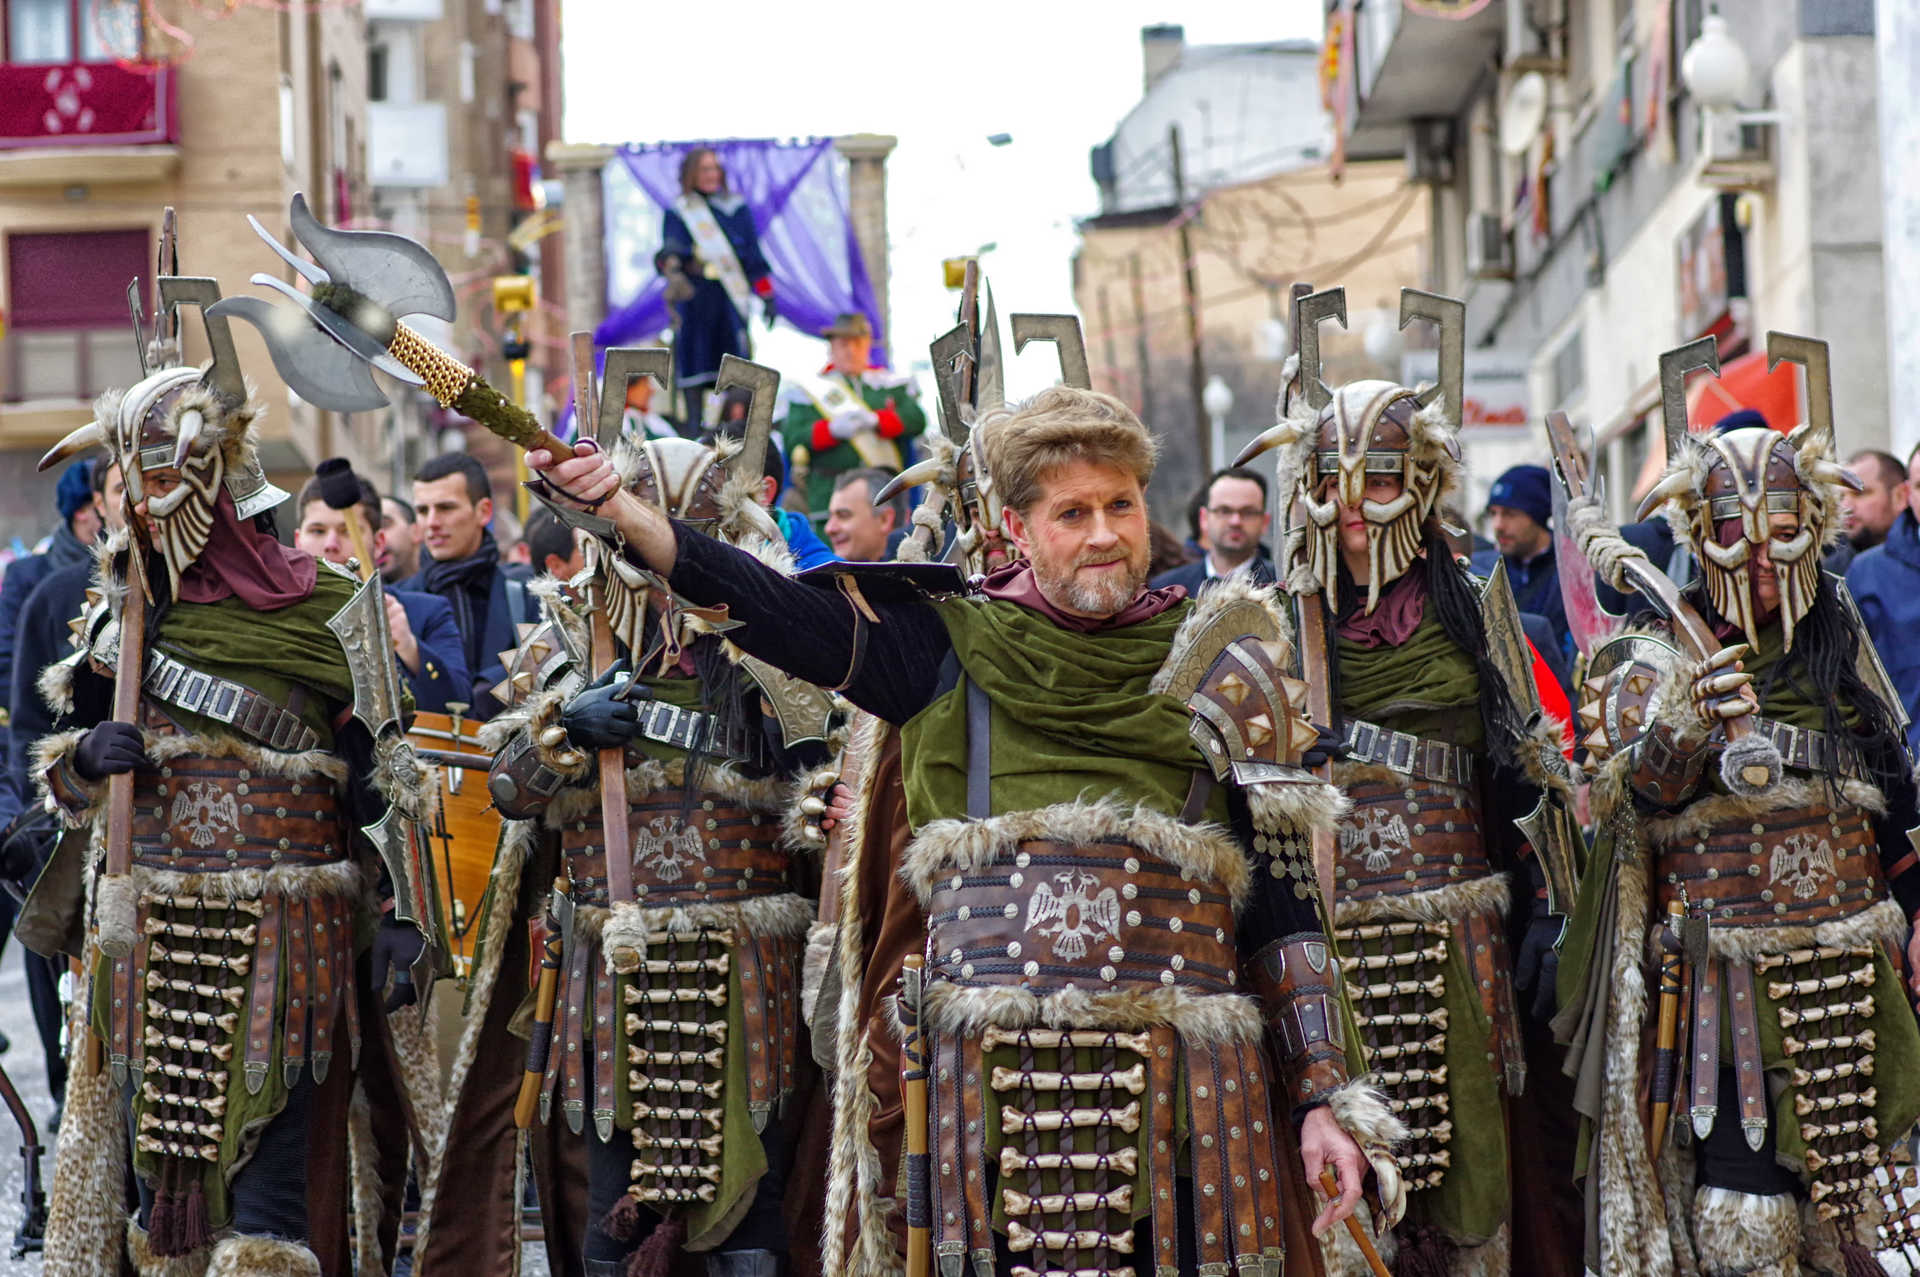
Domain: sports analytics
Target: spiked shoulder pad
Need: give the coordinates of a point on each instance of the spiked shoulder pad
(1617, 696)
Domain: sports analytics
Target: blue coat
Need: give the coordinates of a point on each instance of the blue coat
(709, 325)
(809, 551)
(1536, 588)
(508, 604)
(443, 675)
(1885, 582)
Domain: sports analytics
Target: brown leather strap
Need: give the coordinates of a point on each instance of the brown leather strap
(1162, 1179)
(1207, 1154)
(125, 1034)
(1704, 1101)
(1747, 1070)
(602, 1042)
(756, 997)
(943, 1113)
(979, 752)
(573, 1087)
(299, 1037)
(563, 1030)
(972, 1164)
(1263, 1178)
(266, 982)
(327, 924)
(1199, 794)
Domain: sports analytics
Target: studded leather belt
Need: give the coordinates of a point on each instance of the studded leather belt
(721, 853)
(1100, 916)
(1801, 747)
(225, 701)
(1794, 867)
(1409, 836)
(211, 814)
(1408, 754)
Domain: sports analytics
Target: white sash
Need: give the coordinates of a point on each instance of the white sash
(715, 249)
(833, 394)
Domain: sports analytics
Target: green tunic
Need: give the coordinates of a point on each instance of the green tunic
(824, 465)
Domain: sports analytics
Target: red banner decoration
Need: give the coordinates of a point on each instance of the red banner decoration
(86, 104)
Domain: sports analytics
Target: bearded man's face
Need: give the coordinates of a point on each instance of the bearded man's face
(1087, 538)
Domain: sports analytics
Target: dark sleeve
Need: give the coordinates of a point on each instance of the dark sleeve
(1898, 859)
(443, 675)
(889, 667)
(674, 236)
(14, 589)
(1274, 911)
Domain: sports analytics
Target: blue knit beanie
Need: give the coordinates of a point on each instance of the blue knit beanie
(1527, 489)
(75, 488)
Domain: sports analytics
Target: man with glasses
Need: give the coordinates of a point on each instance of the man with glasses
(1233, 522)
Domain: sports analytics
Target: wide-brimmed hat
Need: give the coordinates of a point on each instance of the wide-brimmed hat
(849, 324)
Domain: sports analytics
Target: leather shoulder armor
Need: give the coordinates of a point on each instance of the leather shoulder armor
(1249, 716)
(1616, 698)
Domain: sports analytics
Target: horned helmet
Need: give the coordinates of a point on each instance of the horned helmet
(957, 465)
(1331, 441)
(195, 422)
(1722, 490)
(713, 487)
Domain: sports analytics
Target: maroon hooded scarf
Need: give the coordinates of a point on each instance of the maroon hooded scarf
(241, 560)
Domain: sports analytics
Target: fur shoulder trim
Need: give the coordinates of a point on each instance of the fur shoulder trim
(945, 847)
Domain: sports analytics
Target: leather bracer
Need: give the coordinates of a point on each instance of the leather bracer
(521, 782)
(1666, 768)
(1299, 987)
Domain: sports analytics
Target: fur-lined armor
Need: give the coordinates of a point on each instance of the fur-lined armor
(677, 1017)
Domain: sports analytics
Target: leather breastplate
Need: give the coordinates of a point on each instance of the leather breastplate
(1100, 916)
(1797, 866)
(1410, 835)
(721, 853)
(209, 814)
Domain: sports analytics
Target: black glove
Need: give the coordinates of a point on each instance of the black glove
(600, 716)
(1538, 966)
(770, 309)
(1327, 748)
(396, 947)
(108, 749)
(25, 847)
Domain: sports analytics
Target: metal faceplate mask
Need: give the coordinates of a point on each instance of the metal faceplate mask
(1752, 477)
(1364, 430)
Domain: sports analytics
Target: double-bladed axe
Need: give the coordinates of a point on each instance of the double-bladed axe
(363, 286)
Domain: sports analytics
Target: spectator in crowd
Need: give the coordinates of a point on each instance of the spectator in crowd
(453, 502)
(400, 551)
(1196, 537)
(554, 548)
(516, 560)
(70, 544)
(1520, 507)
(858, 530)
(639, 422)
(1232, 521)
(1870, 513)
(425, 638)
(854, 415)
(809, 551)
(1885, 580)
(42, 637)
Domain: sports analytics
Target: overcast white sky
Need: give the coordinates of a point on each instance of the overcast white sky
(1056, 74)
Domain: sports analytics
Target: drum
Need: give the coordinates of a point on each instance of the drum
(462, 829)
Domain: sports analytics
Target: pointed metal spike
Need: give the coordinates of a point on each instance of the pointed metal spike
(1632, 716)
(1294, 689)
(508, 658)
(523, 630)
(522, 682)
(1235, 689)
(1259, 730)
(540, 651)
(1595, 686)
(1596, 742)
(1639, 684)
(1589, 715)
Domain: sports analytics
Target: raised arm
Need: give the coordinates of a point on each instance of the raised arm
(885, 658)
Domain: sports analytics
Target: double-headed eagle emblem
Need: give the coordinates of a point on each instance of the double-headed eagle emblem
(1802, 863)
(1071, 916)
(201, 809)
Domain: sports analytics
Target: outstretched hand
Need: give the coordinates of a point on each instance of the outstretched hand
(587, 481)
(1323, 1143)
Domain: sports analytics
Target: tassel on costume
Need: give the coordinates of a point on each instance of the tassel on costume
(1860, 1261)
(196, 1229)
(1424, 1252)
(623, 1221)
(655, 1256)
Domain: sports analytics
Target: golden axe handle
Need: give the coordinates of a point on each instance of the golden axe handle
(454, 385)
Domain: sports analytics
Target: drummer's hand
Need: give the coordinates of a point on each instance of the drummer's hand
(405, 646)
(1324, 1143)
(587, 481)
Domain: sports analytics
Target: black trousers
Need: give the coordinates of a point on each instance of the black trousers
(609, 1171)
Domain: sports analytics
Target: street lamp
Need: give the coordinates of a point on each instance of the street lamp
(1217, 398)
(1717, 74)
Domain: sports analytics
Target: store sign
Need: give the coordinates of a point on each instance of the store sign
(1495, 396)
(1710, 266)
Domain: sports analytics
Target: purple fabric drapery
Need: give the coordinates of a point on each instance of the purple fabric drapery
(814, 277)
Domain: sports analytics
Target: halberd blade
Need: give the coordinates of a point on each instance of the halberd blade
(314, 365)
(390, 269)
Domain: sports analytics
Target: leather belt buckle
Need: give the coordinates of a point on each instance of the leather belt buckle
(1400, 751)
(193, 691)
(1365, 737)
(224, 705)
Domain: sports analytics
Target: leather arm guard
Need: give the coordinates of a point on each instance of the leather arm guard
(1299, 987)
(535, 764)
(68, 794)
(1666, 766)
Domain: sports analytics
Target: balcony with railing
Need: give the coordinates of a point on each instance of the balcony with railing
(80, 101)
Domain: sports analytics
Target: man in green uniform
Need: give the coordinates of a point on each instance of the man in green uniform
(852, 415)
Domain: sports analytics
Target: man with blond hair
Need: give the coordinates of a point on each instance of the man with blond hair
(1086, 880)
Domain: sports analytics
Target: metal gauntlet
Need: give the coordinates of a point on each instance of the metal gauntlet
(520, 782)
(1299, 985)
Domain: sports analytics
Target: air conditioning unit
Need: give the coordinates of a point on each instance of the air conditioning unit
(1489, 248)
